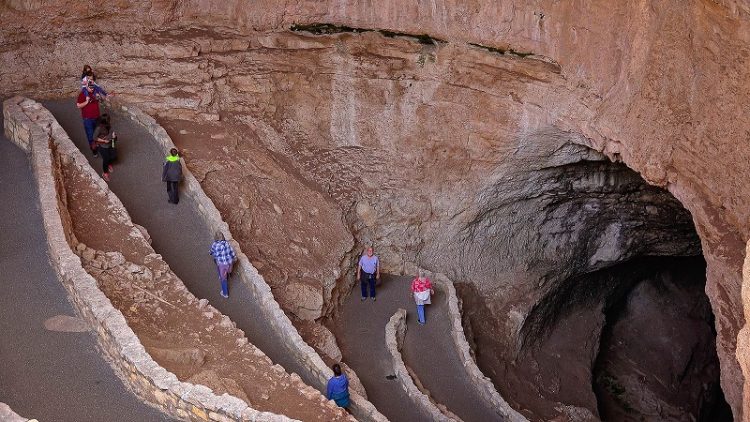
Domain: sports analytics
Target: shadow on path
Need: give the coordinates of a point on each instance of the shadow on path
(48, 375)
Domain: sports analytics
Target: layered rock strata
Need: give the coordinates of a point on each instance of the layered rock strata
(659, 86)
(80, 200)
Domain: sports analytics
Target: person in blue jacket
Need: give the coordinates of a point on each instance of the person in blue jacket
(338, 388)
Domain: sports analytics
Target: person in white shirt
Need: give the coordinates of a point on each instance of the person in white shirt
(368, 271)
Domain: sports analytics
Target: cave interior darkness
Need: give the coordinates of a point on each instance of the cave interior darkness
(624, 331)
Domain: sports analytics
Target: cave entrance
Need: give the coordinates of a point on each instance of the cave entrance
(598, 309)
(657, 353)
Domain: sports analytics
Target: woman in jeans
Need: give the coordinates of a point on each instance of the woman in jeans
(421, 289)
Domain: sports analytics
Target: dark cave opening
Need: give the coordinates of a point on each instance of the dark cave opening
(596, 309)
(657, 354)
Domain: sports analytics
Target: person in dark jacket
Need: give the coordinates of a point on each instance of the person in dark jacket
(105, 138)
(338, 388)
(172, 174)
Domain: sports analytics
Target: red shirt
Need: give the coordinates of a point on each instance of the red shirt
(90, 110)
(418, 285)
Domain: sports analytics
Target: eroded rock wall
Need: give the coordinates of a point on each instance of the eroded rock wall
(410, 139)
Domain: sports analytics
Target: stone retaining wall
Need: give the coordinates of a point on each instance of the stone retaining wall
(395, 331)
(483, 385)
(32, 127)
(8, 415)
(361, 408)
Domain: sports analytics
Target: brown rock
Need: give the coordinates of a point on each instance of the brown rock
(188, 357)
(218, 384)
(303, 300)
(450, 128)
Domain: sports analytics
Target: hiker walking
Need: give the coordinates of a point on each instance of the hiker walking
(224, 257)
(105, 139)
(338, 388)
(368, 271)
(172, 174)
(421, 289)
(89, 105)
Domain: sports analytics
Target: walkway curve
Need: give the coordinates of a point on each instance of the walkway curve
(51, 376)
(395, 331)
(428, 350)
(177, 232)
(182, 236)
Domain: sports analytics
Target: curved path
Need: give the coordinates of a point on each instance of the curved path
(179, 235)
(428, 350)
(48, 375)
(177, 231)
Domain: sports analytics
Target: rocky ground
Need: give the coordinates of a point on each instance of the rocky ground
(455, 150)
(184, 335)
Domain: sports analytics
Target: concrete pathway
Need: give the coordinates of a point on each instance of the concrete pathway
(428, 350)
(180, 237)
(177, 231)
(48, 375)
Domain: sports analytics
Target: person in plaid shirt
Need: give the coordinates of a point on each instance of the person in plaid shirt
(224, 257)
(421, 288)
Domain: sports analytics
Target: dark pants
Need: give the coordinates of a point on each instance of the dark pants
(172, 192)
(366, 279)
(89, 125)
(107, 158)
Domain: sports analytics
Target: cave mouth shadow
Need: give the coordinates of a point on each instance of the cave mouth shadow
(601, 302)
(658, 341)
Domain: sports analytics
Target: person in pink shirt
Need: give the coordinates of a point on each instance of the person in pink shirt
(421, 289)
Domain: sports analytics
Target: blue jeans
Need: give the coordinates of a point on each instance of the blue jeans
(89, 125)
(224, 278)
(366, 279)
(420, 314)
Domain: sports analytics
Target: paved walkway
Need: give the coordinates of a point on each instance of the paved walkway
(180, 237)
(428, 350)
(48, 375)
(177, 231)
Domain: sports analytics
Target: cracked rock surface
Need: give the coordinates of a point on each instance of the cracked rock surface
(443, 153)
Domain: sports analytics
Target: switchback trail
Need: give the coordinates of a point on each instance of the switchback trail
(179, 235)
(48, 375)
(177, 231)
(428, 350)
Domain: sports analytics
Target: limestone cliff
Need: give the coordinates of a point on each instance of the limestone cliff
(431, 130)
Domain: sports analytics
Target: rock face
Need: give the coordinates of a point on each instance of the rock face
(668, 315)
(446, 151)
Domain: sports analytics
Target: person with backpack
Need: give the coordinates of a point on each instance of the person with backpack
(105, 139)
(224, 257)
(88, 77)
(172, 174)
